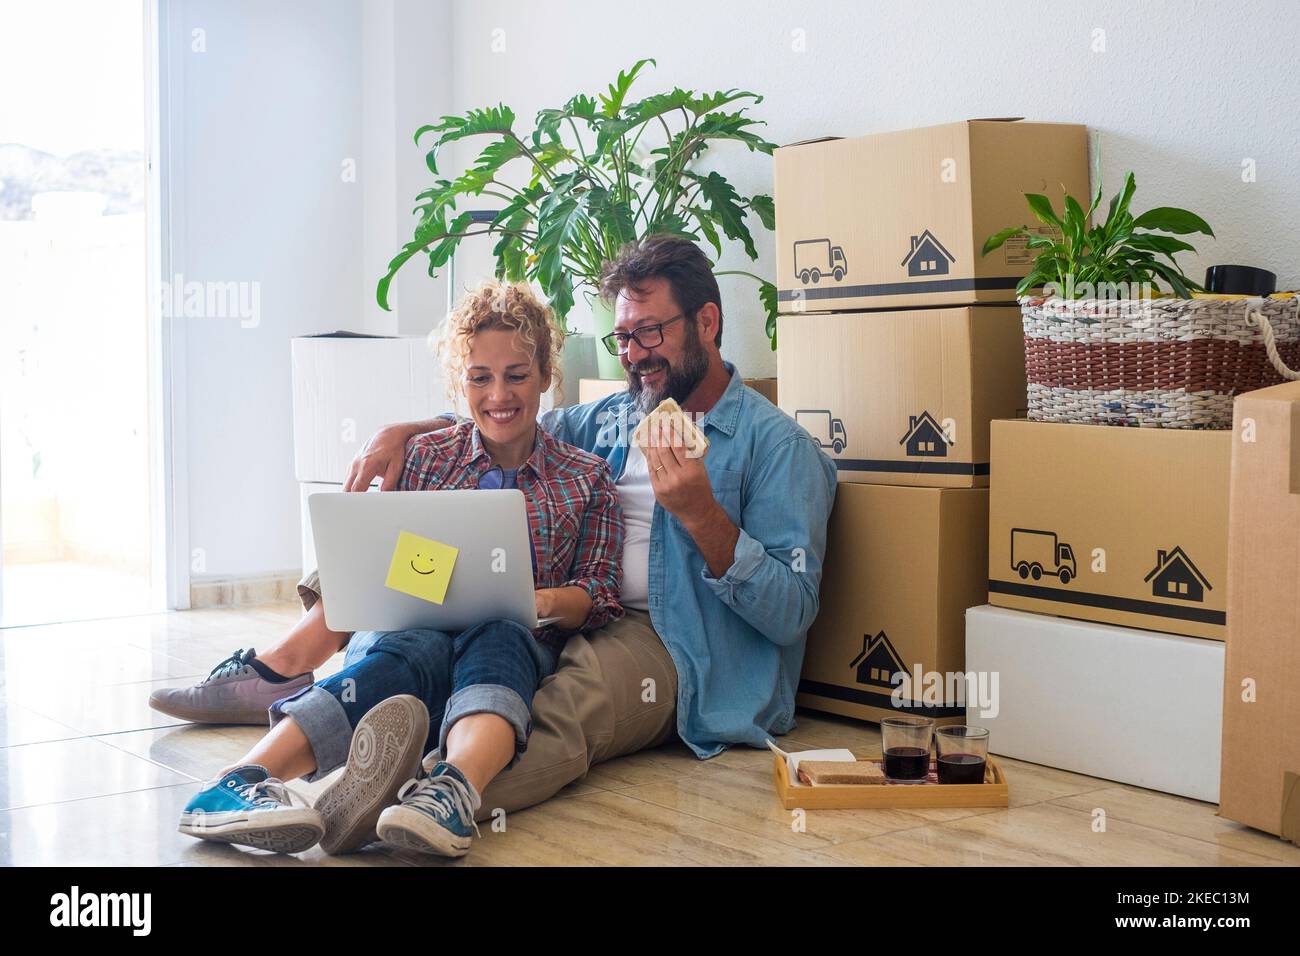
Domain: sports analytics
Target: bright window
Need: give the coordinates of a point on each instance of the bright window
(75, 495)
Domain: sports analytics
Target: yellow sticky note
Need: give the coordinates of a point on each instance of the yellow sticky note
(421, 567)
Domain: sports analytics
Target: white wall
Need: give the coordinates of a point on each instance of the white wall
(291, 166)
(261, 121)
(1182, 94)
(287, 90)
(406, 68)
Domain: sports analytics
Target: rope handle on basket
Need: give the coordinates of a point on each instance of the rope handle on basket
(1256, 317)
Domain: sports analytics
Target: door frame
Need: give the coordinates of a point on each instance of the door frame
(169, 484)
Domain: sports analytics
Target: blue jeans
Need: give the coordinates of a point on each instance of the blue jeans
(491, 668)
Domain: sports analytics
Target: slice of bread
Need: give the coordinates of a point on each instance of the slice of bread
(667, 417)
(820, 773)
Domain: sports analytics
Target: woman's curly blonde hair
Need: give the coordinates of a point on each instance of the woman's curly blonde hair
(499, 305)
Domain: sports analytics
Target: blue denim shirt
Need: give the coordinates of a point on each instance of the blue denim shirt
(737, 641)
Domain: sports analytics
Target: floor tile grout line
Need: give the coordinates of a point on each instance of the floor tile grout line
(156, 763)
(1041, 803)
(162, 613)
(749, 833)
(156, 680)
(101, 733)
(1158, 829)
(743, 833)
(95, 796)
(76, 735)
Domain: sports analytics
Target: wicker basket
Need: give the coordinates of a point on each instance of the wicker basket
(1158, 363)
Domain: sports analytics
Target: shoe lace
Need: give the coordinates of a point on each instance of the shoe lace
(271, 790)
(229, 666)
(427, 793)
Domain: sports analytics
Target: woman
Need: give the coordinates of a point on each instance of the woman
(501, 352)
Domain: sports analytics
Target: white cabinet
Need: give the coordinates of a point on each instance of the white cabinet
(347, 388)
(344, 389)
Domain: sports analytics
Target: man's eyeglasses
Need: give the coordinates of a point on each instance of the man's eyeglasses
(647, 336)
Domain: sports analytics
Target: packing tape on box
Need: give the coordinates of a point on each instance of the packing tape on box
(1291, 806)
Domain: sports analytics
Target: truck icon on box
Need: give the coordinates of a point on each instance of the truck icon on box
(826, 429)
(814, 258)
(1035, 553)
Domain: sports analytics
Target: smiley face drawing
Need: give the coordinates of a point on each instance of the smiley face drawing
(428, 559)
(421, 567)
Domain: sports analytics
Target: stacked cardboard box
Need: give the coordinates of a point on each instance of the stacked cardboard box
(1123, 526)
(1193, 536)
(899, 344)
(1127, 528)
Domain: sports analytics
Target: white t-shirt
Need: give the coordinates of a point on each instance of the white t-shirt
(638, 500)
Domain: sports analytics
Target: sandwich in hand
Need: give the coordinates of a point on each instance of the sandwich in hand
(668, 425)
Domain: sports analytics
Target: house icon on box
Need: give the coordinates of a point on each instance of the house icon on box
(927, 257)
(878, 662)
(924, 437)
(1175, 576)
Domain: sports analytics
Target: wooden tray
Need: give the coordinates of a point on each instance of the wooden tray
(991, 793)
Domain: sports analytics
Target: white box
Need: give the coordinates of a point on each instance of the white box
(345, 389)
(1134, 706)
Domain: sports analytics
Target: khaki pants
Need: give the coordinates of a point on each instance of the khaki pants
(614, 692)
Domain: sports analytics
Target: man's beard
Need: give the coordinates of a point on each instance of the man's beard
(680, 380)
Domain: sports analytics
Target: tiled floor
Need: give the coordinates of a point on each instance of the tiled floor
(90, 775)
(38, 590)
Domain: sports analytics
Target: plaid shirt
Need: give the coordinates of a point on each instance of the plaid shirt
(574, 516)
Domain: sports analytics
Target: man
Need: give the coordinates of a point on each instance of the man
(722, 554)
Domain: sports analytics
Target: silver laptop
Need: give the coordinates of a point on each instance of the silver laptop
(447, 560)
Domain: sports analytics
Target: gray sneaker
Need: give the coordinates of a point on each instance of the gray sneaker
(234, 693)
(384, 755)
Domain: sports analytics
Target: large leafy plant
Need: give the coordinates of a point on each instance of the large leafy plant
(1078, 257)
(592, 175)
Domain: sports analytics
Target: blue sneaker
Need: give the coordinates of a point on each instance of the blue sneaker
(251, 808)
(434, 814)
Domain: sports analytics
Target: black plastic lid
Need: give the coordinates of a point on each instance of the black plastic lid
(1240, 280)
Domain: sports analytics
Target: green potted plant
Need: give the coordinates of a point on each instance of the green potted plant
(591, 175)
(1077, 258)
(1104, 344)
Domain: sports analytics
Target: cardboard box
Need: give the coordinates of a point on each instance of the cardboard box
(1261, 705)
(764, 386)
(1112, 702)
(904, 397)
(592, 389)
(1121, 525)
(902, 565)
(898, 219)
